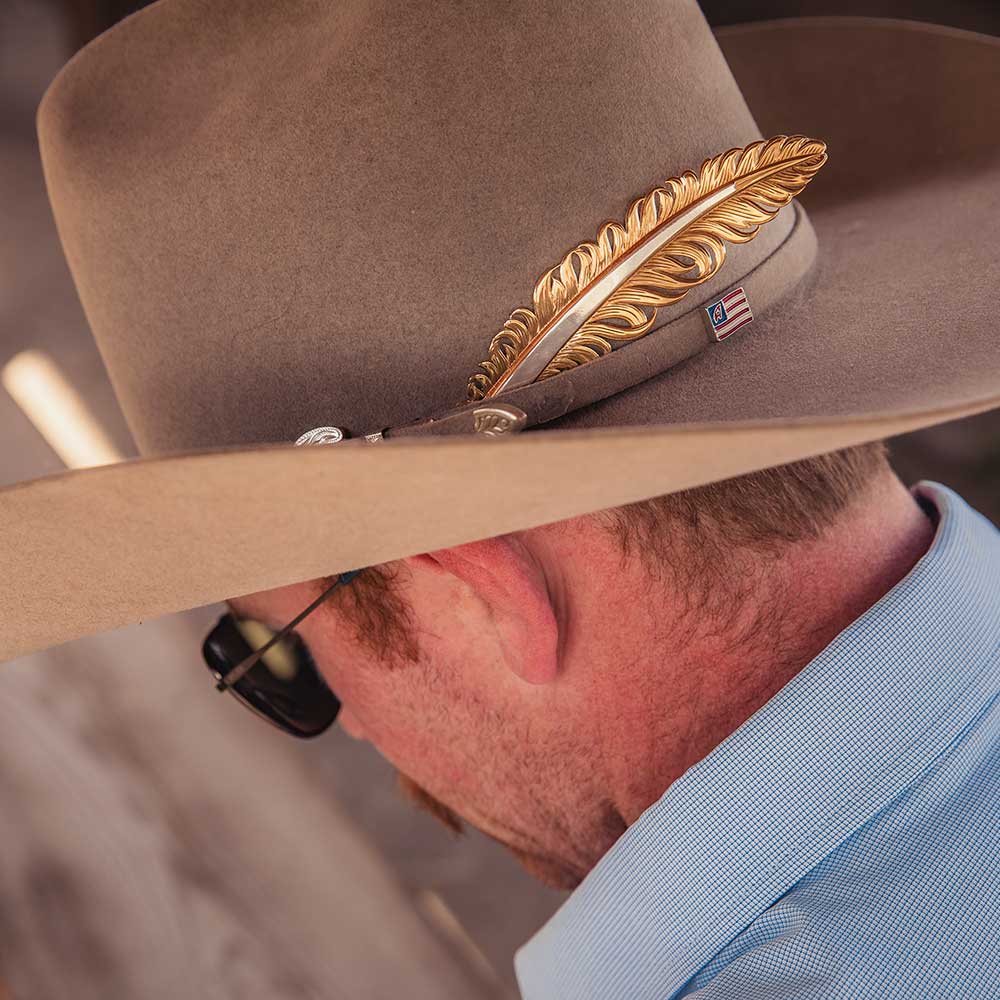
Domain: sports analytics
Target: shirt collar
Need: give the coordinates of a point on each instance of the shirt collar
(837, 743)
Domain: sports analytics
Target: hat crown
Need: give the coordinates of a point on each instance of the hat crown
(281, 220)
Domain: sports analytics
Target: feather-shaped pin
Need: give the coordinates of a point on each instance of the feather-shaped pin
(608, 292)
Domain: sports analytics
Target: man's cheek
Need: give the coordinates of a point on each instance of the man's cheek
(384, 709)
(421, 745)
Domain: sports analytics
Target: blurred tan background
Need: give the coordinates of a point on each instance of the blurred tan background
(155, 839)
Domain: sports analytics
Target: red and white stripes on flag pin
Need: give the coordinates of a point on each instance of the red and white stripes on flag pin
(728, 314)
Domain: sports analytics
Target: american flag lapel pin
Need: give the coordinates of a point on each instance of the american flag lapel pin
(727, 314)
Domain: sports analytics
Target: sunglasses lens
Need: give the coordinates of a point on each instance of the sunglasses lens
(284, 685)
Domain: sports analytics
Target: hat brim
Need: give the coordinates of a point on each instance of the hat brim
(891, 332)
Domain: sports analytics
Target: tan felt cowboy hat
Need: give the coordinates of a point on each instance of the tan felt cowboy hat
(283, 217)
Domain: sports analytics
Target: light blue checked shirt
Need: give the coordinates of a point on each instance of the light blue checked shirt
(843, 842)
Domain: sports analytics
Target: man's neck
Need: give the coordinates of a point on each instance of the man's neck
(693, 694)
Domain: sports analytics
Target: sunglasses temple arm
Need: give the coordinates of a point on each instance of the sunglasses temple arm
(241, 668)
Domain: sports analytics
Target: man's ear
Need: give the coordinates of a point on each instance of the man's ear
(510, 583)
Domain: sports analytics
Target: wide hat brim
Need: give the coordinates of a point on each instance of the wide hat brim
(891, 331)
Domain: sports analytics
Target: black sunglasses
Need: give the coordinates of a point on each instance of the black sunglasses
(273, 673)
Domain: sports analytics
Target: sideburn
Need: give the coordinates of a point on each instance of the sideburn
(380, 616)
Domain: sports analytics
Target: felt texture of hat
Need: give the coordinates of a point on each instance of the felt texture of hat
(279, 222)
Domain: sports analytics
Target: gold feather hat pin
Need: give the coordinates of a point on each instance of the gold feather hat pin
(607, 293)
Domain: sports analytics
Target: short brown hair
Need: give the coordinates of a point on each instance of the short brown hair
(760, 511)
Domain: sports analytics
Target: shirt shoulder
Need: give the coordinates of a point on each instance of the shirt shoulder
(907, 907)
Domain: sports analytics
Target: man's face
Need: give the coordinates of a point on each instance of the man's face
(421, 665)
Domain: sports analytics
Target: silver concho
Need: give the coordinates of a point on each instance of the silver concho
(492, 421)
(322, 435)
